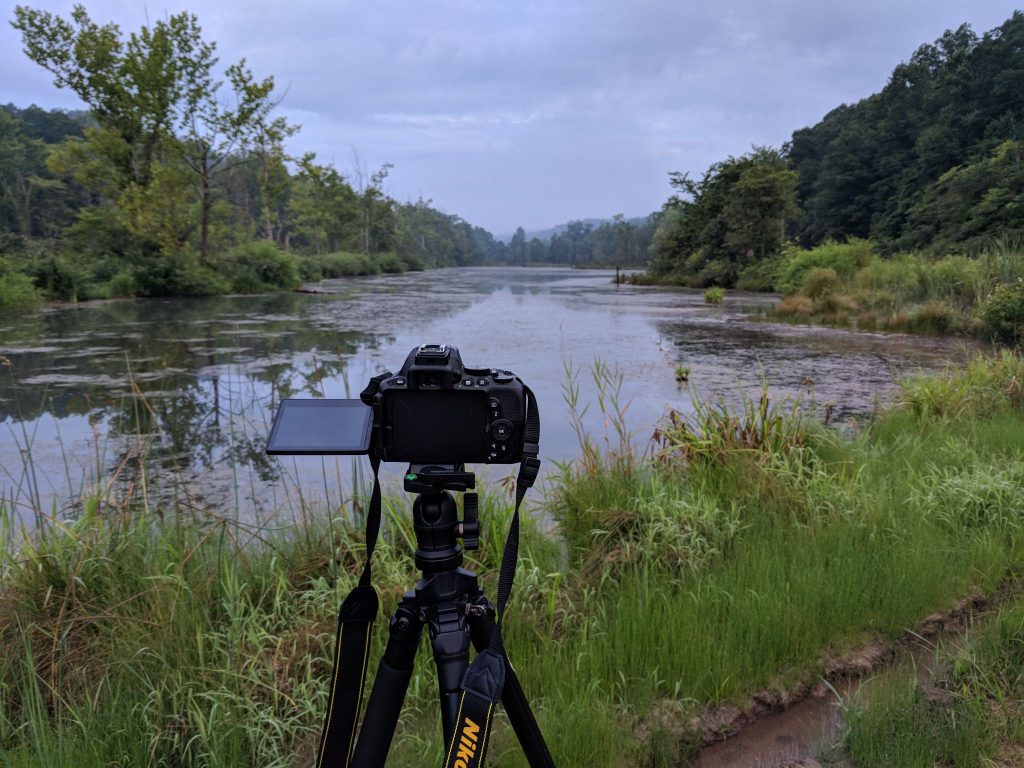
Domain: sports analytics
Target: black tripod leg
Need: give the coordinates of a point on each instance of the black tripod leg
(481, 625)
(389, 687)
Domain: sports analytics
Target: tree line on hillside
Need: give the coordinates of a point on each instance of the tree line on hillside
(175, 181)
(932, 163)
(617, 242)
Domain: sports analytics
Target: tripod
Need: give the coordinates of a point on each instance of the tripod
(449, 602)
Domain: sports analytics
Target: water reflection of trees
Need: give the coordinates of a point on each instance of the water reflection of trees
(183, 385)
(95, 357)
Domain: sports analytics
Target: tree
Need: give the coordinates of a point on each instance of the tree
(376, 210)
(136, 87)
(216, 137)
(517, 248)
(324, 208)
(736, 214)
(760, 204)
(865, 169)
(159, 117)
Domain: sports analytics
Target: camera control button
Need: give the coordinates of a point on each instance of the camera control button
(398, 381)
(467, 382)
(481, 382)
(503, 378)
(501, 429)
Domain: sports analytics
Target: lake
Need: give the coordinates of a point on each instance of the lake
(174, 397)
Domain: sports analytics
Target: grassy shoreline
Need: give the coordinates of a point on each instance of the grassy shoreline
(753, 544)
(847, 284)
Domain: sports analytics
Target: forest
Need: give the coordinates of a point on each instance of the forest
(159, 188)
(931, 163)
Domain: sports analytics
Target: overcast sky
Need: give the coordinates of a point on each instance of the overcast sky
(533, 113)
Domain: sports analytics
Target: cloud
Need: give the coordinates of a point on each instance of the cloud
(536, 111)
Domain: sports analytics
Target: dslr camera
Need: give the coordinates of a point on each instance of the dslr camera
(435, 410)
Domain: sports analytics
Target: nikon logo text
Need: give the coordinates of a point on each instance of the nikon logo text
(467, 744)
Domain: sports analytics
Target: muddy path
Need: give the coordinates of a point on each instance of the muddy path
(792, 729)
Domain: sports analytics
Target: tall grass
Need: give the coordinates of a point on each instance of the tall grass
(849, 284)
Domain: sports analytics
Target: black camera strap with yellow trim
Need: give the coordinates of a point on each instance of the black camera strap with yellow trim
(356, 617)
(352, 651)
(484, 679)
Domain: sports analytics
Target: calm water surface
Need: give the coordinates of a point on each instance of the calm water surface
(192, 383)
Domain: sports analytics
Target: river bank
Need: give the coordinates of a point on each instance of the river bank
(849, 285)
(751, 547)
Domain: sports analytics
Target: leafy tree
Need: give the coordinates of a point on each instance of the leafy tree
(323, 207)
(736, 214)
(157, 160)
(426, 236)
(870, 169)
(517, 248)
(968, 203)
(216, 137)
(136, 87)
(376, 212)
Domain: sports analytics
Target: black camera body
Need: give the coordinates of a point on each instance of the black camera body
(436, 410)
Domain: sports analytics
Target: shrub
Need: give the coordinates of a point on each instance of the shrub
(714, 295)
(936, 317)
(900, 278)
(122, 284)
(794, 306)
(954, 279)
(261, 266)
(760, 276)
(838, 303)
(1002, 314)
(389, 263)
(820, 282)
(866, 321)
(845, 258)
(16, 289)
(59, 275)
(342, 264)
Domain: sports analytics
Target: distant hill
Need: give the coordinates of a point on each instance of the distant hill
(544, 235)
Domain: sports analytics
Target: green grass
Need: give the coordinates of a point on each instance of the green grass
(847, 284)
(730, 562)
(969, 714)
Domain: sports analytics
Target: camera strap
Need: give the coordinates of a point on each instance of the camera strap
(485, 678)
(352, 639)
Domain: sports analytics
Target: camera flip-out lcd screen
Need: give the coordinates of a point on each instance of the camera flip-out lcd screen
(321, 427)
